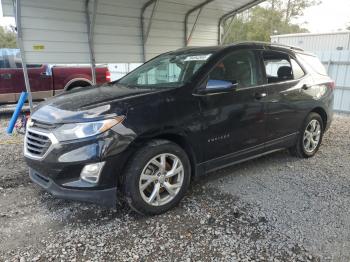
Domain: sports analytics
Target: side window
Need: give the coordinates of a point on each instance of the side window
(298, 72)
(240, 68)
(5, 62)
(17, 60)
(11, 59)
(278, 67)
(313, 63)
(273, 66)
(30, 65)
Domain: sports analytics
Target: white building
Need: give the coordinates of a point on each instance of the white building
(333, 49)
(316, 42)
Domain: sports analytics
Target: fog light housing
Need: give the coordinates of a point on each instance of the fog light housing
(91, 172)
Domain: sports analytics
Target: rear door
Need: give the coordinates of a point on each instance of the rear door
(285, 99)
(234, 124)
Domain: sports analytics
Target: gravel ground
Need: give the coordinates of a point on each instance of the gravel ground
(276, 208)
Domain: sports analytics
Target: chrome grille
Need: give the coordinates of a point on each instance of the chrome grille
(37, 143)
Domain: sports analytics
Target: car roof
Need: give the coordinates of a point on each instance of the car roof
(249, 44)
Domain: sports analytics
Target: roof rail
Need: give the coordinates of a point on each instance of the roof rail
(288, 46)
(268, 44)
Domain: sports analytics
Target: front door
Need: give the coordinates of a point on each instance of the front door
(40, 79)
(234, 122)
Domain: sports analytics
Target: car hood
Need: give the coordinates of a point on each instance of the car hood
(88, 104)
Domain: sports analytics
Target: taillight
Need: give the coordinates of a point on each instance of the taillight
(108, 76)
(332, 85)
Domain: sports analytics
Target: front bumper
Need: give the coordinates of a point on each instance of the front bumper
(106, 197)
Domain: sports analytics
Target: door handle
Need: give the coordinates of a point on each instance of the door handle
(5, 76)
(44, 74)
(259, 96)
(306, 87)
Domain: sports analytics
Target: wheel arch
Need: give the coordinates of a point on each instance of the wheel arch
(71, 83)
(322, 113)
(185, 145)
(176, 138)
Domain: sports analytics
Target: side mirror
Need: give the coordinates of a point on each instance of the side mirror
(218, 86)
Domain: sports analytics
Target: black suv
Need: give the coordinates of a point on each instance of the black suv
(142, 139)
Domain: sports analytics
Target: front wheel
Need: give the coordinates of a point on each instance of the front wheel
(157, 177)
(310, 137)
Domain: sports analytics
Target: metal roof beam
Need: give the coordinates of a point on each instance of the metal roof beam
(199, 7)
(228, 29)
(144, 35)
(17, 13)
(232, 13)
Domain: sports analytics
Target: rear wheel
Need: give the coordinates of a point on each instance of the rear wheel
(310, 137)
(157, 177)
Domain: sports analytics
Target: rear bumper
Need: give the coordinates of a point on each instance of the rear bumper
(106, 197)
(329, 119)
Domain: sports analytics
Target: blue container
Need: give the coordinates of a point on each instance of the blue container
(17, 111)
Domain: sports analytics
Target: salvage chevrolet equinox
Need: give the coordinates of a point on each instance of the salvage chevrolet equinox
(143, 138)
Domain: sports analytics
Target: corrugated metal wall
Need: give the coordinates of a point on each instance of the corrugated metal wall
(314, 42)
(55, 31)
(338, 67)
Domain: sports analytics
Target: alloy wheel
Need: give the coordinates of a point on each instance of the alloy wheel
(312, 136)
(161, 179)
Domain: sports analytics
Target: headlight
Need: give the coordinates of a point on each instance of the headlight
(81, 130)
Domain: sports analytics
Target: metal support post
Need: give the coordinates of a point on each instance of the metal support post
(90, 24)
(199, 7)
(144, 35)
(17, 13)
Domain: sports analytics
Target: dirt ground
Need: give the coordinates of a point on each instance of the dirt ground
(275, 208)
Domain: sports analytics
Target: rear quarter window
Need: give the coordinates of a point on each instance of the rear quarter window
(298, 72)
(313, 62)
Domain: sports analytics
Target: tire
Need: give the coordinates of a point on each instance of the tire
(302, 148)
(141, 193)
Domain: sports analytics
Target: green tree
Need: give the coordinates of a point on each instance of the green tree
(260, 22)
(7, 38)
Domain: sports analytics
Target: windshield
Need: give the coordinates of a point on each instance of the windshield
(166, 71)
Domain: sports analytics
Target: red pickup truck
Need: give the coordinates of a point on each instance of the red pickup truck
(45, 80)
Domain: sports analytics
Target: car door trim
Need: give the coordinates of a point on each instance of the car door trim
(234, 158)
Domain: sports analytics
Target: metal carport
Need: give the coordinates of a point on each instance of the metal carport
(110, 31)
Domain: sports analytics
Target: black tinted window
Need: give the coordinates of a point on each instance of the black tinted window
(298, 72)
(278, 67)
(4, 62)
(312, 62)
(11, 59)
(239, 68)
